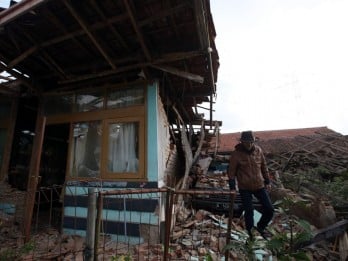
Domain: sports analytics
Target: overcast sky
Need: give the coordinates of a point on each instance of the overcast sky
(283, 64)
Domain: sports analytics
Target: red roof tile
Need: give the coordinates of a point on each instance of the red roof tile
(229, 140)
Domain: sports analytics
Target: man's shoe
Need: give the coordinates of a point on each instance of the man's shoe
(264, 233)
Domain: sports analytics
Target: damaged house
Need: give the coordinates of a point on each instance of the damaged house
(90, 97)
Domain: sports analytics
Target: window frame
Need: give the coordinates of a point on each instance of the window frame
(133, 113)
(105, 173)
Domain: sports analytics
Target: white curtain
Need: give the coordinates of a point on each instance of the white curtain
(123, 147)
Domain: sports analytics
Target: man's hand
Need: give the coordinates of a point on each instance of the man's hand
(268, 187)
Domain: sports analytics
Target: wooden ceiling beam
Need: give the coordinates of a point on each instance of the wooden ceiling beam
(106, 22)
(183, 74)
(17, 10)
(166, 59)
(165, 13)
(137, 31)
(49, 15)
(63, 38)
(19, 76)
(177, 33)
(46, 58)
(22, 56)
(89, 33)
(110, 26)
(9, 87)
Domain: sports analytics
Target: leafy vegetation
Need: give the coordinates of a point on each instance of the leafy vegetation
(122, 258)
(15, 254)
(333, 186)
(285, 245)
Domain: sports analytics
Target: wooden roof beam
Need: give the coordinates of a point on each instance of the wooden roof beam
(110, 25)
(183, 74)
(89, 33)
(203, 34)
(19, 76)
(22, 56)
(137, 31)
(49, 15)
(60, 39)
(9, 88)
(17, 10)
(165, 59)
(165, 13)
(47, 58)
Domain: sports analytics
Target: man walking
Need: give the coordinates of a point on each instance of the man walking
(248, 166)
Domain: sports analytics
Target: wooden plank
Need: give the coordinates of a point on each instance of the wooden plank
(183, 74)
(326, 233)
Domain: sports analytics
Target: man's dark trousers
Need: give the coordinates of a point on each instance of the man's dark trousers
(267, 210)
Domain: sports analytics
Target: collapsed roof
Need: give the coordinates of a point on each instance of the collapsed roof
(49, 46)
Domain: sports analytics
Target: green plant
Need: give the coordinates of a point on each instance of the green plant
(26, 248)
(8, 254)
(122, 258)
(208, 257)
(245, 246)
(14, 254)
(285, 245)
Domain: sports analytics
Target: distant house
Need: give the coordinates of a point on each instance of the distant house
(91, 94)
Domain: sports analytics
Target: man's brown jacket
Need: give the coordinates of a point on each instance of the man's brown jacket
(249, 167)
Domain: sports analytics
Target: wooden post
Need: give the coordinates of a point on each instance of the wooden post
(229, 225)
(98, 224)
(91, 219)
(9, 140)
(34, 173)
(168, 223)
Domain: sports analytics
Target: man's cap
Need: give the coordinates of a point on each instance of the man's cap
(247, 136)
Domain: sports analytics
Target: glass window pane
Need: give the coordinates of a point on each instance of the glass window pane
(123, 154)
(85, 154)
(125, 97)
(89, 102)
(58, 104)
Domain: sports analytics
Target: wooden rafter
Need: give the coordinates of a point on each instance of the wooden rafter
(183, 74)
(165, 59)
(65, 37)
(110, 25)
(22, 56)
(137, 31)
(5, 89)
(167, 12)
(19, 76)
(47, 57)
(85, 27)
(18, 10)
(54, 20)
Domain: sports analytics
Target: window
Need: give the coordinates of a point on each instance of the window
(85, 150)
(58, 104)
(107, 137)
(123, 154)
(124, 147)
(126, 97)
(89, 102)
